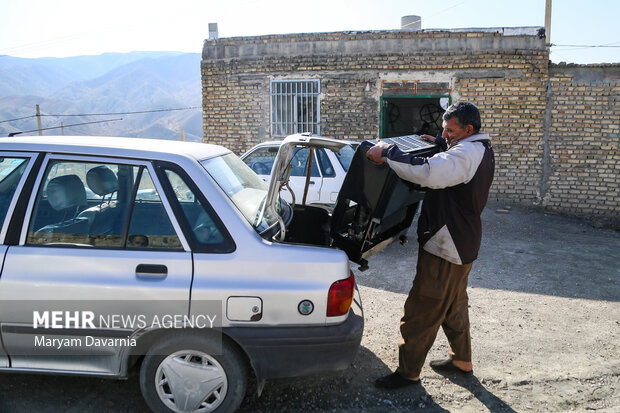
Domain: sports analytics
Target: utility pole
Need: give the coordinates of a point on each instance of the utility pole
(548, 21)
(181, 134)
(39, 120)
(62, 128)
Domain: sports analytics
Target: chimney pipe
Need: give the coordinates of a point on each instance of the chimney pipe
(213, 34)
(411, 22)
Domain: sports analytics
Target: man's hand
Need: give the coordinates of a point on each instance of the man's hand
(374, 153)
(428, 138)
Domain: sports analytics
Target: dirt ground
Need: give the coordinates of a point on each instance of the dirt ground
(545, 315)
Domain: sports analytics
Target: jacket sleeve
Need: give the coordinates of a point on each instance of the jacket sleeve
(453, 167)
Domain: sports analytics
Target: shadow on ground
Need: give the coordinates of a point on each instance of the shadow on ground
(54, 394)
(524, 250)
(351, 390)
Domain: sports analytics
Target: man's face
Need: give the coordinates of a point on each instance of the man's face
(453, 131)
(139, 241)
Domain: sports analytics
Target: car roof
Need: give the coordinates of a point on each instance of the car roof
(304, 139)
(112, 146)
(278, 143)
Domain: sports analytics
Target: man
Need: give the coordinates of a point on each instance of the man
(139, 241)
(457, 182)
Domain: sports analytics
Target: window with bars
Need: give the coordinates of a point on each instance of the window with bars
(295, 107)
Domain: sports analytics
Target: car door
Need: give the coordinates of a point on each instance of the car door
(98, 233)
(14, 168)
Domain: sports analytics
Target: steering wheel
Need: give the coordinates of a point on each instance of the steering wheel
(431, 113)
(260, 168)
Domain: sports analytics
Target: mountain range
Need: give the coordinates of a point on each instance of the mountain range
(113, 84)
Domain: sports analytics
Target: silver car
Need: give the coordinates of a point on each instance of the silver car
(171, 256)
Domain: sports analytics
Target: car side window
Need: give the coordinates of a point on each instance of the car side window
(88, 204)
(261, 160)
(345, 155)
(79, 203)
(150, 226)
(11, 171)
(299, 163)
(207, 231)
(326, 165)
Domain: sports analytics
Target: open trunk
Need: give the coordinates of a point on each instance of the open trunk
(374, 208)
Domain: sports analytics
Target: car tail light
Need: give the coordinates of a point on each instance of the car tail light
(340, 296)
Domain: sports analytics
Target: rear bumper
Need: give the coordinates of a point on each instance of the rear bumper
(276, 352)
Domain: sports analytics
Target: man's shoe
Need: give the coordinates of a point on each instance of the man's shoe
(395, 381)
(447, 366)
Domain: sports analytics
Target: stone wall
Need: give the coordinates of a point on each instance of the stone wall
(507, 77)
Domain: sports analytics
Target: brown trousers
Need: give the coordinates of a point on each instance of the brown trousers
(438, 298)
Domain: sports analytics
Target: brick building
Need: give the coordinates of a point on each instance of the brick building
(554, 127)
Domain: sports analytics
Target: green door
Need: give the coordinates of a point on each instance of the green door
(406, 115)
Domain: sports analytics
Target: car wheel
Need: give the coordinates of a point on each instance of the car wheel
(187, 373)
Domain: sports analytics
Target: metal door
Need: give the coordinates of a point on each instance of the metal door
(14, 169)
(107, 279)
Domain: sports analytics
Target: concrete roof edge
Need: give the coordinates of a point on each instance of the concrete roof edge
(564, 65)
(506, 31)
(305, 45)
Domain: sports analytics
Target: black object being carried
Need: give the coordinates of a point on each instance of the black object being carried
(374, 207)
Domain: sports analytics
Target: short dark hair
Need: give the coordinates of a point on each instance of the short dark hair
(466, 114)
(132, 238)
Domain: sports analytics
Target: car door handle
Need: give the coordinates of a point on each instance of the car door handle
(151, 271)
(311, 182)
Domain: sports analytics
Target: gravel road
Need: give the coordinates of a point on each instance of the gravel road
(545, 315)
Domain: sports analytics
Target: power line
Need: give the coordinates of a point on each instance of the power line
(51, 43)
(65, 126)
(611, 45)
(11, 120)
(124, 113)
(435, 14)
(105, 114)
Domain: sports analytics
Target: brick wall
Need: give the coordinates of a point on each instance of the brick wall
(512, 111)
(505, 76)
(583, 141)
(235, 107)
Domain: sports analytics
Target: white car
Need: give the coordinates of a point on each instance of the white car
(329, 168)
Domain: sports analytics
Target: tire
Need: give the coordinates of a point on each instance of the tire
(205, 379)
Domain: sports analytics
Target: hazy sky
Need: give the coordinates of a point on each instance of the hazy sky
(59, 28)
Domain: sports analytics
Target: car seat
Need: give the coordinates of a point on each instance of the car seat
(103, 219)
(66, 193)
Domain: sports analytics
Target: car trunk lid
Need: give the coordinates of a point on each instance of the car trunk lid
(374, 206)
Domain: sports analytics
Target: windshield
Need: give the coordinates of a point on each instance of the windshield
(345, 155)
(243, 187)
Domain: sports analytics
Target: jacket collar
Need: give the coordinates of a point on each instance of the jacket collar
(475, 137)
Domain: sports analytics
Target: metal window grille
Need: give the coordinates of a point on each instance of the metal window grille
(295, 107)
